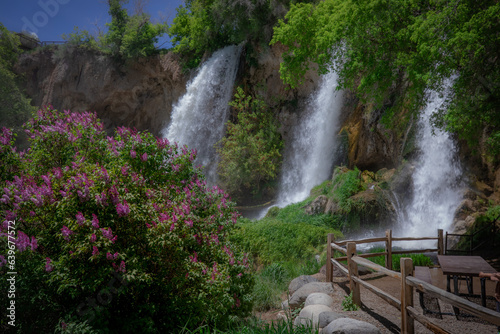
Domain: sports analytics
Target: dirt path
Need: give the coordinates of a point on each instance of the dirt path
(388, 318)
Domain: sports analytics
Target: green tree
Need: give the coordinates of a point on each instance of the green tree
(208, 25)
(251, 151)
(15, 107)
(378, 45)
(128, 37)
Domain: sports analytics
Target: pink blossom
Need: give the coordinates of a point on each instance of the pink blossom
(3, 261)
(95, 222)
(144, 157)
(22, 241)
(133, 154)
(108, 234)
(122, 209)
(95, 251)
(34, 243)
(80, 219)
(48, 265)
(66, 232)
(189, 223)
(194, 258)
(93, 238)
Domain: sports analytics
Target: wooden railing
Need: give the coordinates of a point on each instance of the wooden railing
(408, 283)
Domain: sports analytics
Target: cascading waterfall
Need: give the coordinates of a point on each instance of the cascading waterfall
(309, 156)
(436, 179)
(199, 117)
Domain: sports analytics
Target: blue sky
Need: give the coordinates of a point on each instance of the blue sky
(49, 19)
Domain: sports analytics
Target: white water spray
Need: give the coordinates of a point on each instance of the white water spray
(200, 116)
(436, 179)
(309, 157)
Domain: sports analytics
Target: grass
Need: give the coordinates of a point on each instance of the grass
(272, 281)
(256, 326)
(418, 259)
(272, 240)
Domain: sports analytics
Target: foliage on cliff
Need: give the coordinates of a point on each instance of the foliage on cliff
(250, 154)
(128, 36)
(15, 108)
(376, 45)
(208, 25)
(121, 232)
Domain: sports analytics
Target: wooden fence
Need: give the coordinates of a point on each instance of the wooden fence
(408, 282)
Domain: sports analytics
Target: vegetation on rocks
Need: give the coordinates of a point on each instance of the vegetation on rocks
(15, 108)
(377, 45)
(250, 153)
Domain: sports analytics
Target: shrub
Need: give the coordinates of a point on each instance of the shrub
(250, 154)
(348, 304)
(116, 232)
(273, 240)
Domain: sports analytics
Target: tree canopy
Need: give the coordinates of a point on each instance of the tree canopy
(378, 44)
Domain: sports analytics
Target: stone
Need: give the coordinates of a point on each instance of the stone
(318, 298)
(309, 315)
(385, 175)
(320, 277)
(484, 188)
(284, 305)
(331, 207)
(300, 296)
(350, 326)
(402, 181)
(326, 318)
(299, 282)
(317, 206)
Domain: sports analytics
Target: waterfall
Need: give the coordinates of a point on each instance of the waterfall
(200, 116)
(436, 179)
(309, 156)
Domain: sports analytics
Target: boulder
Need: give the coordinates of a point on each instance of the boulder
(309, 315)
(318, 298)
(300, 296)
(326, 318)
(331, 207)
(299, 282)
(317, 206)
(350, 326)
(402, 182)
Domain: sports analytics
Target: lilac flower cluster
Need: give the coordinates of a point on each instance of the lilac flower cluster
(139, 192)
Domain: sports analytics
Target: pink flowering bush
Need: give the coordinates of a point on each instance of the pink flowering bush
(121, 232)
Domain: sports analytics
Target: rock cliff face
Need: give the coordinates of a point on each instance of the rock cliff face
(140, 95)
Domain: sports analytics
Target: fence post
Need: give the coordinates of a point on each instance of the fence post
(329, 255)
(407, 322)
(440, 242)
(446, 243)
(388, 249)
(353, 271)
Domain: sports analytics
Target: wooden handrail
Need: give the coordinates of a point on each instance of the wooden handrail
(338, 248)
(448, 297)
(408, 283)
(361, 241)
(369, 264)
(413, 238)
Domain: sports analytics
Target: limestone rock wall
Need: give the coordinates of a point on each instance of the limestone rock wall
(139, 95)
